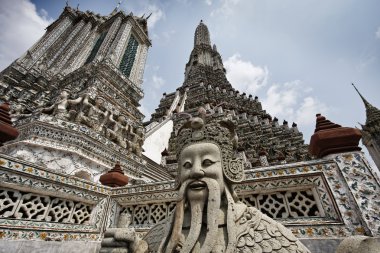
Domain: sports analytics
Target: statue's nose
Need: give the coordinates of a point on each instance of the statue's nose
(197, 171)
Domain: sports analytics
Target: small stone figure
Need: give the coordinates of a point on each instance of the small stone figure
(26, 95)
(9, 94)
(18, 112)
(125, 220)
(60, 108)
(122, 239)
(117, 133)
(135, 145)
(39, 99)
(95, 117)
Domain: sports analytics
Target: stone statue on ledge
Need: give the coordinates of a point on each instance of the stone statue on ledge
(208, 216)
(95, 116)
(60, 108)
(135, 145)
(116, 134)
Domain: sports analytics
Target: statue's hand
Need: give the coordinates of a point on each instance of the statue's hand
(122, 240)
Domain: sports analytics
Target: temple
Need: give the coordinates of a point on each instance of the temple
(262, 140)
(76, 156)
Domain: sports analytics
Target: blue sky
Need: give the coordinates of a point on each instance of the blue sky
(298, 57)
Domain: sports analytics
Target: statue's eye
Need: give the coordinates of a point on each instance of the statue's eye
(187, 165)
(207, 162)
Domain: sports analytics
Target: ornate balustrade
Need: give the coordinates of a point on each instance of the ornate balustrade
(312, 198)
(37, 203)
(300, 195)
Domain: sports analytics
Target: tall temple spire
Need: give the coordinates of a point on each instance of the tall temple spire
(205, 64)
(364, 100)
(371, 130)
(206, 91)
(202, 35)
(372, 113)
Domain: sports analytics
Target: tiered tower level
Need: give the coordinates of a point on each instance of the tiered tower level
(75, 95)
(261, 137)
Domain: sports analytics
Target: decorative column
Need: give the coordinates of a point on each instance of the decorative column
(136, 66)
(109, 38)
(143, 57)
(73, 46)
(263, 158)
(120, 43)
(364, 185)
(45, 42)
(66, 41)
(79, 58)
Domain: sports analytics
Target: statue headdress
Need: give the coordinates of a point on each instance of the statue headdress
(220, 132)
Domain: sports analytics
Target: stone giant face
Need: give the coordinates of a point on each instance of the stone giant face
(198, 161)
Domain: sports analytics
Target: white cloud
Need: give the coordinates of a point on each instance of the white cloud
(20, 27)
(208, 2)
(144, 111)
(286, 101)
(244, 76)
(157, 15)
(378, 33)
(305, 114)
(168, 34)
(225, 8)
(157, 81)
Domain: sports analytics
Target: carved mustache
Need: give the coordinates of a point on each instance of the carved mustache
(192, 184)
(213, 204)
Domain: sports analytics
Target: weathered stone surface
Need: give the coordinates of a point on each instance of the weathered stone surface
(48, 247)
(321, 245)
(359, 244)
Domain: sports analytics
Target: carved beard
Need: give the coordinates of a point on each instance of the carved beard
(197, 206)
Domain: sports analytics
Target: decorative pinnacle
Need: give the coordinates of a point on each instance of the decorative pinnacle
(372, 113)
(366, 103)
(118, 4)
(202, 35)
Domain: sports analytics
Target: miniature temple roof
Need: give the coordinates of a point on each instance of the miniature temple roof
(115, 177)
(331, 138)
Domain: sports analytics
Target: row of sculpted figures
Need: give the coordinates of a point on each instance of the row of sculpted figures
(93, 113)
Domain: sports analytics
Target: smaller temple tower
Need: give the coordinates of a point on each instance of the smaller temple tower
(75, 95)
(371, 130)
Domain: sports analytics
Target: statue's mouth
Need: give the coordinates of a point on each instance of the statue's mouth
(197, 185)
